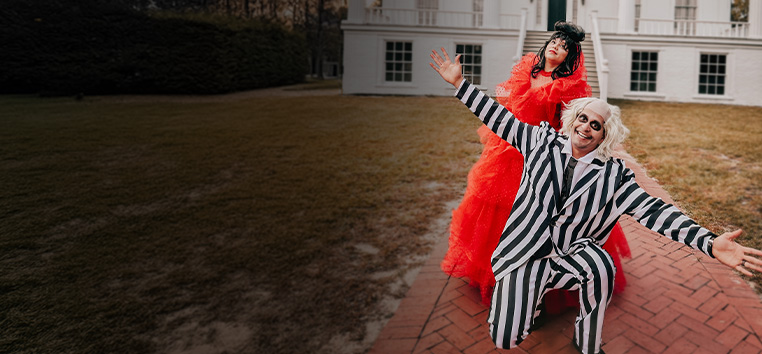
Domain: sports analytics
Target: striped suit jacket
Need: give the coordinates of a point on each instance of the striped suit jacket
(606, 190)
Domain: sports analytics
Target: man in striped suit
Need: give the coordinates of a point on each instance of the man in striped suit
(572, 192)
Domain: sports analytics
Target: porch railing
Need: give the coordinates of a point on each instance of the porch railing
(435, 18)
(694, 28)
(685, 28)
(464, 19)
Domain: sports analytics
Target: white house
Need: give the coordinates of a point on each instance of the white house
(670, 50)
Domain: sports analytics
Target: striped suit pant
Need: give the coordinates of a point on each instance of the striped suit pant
(516, 296)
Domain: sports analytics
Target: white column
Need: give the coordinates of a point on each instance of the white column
(356, 11)
(491, 13)
(626, 23)
(755, 18)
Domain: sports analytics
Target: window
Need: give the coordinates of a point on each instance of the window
(712, 74)
(643, 72)
(739, 11)
(427, 12)
(478, 13)
(685, 15)
(637, 15)
(685, 10)
(399, 61)
(471, 61)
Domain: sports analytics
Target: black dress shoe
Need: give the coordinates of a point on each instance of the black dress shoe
(580, 350)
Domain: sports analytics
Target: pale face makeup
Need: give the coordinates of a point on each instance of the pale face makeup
(555, 53)
(588, 128)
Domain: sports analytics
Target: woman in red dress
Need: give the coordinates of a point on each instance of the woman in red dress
(538, 87)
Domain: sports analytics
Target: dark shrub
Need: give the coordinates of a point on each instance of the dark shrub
(97, 47)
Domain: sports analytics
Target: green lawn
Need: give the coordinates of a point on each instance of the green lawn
(271, 224)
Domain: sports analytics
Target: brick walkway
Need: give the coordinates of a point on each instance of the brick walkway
(672, 304)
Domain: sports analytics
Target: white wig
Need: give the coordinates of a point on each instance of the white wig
(613, 129)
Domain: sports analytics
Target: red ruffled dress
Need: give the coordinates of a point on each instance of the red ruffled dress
(494, 181)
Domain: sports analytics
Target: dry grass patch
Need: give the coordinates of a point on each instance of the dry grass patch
(708, 157)
(271, 224)
(256, 225)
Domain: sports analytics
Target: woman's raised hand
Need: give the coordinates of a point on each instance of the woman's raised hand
(450, 71)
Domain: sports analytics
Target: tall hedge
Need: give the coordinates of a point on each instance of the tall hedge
(97, 47)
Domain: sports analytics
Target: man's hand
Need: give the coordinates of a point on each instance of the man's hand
(734, 255)
(450, 71)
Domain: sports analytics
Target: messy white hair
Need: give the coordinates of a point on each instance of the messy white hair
(613, 129)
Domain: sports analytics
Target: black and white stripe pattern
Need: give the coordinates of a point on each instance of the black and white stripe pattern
(606, 190)
(516, 296)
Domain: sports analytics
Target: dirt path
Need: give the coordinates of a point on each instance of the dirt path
(389, 303)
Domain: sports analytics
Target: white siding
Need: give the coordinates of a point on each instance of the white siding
(464, 6)
(364, 61)
(399, 4)
(678, 72)
(713, 10)
(678, 64)
(746, 76)
(657, 9)
(360, 69)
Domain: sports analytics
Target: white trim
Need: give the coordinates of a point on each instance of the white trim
(651, 95)
(700, 97)
(644, 49)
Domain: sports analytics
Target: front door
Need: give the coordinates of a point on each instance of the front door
(556, 12)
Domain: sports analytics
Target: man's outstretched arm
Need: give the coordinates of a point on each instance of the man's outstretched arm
(496, 117)
(669, 221)
(735, 256)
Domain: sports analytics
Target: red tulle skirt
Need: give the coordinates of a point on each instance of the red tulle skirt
(479, 220)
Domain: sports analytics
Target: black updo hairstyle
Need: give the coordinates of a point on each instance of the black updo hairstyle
(572, 35)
